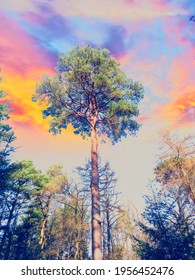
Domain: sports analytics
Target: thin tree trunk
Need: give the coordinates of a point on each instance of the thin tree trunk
(187, 181)
(95, 194)
(76, 254)
(104, 242)
(42, 235)
(108, 228)
(43, 225)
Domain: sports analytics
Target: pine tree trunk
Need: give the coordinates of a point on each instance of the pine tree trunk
(95, 194)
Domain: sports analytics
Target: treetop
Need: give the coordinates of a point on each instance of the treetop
(90, 91)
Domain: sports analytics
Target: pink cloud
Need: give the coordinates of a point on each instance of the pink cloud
(162, 5)
(17, 109)
(114, 10)
(19, 52)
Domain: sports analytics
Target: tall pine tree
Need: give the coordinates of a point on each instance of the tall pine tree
(94, 95)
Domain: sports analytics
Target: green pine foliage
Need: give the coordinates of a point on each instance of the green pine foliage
(90, 84)
(6, 142)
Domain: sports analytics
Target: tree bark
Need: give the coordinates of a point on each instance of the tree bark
(95, 194)
(108, 228)
(186, 181)
(44, 222)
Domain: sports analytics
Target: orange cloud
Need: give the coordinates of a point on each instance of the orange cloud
(180, 112)
(23, 62)
(20, 91)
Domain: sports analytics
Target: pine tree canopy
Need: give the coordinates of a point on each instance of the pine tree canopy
(90, 90)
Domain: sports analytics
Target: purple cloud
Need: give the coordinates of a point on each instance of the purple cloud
(116, 40)
(51, 24)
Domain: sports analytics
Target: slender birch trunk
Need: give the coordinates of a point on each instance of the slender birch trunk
(95, 217)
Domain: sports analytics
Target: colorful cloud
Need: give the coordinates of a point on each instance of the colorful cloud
(116, 11)
(152, 40)
(181, 111)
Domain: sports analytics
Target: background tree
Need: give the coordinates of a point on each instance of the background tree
(25, 242)
(68, 225)
(177, 163)
(110, 207)
(56, 181)
(93, 94)
(109, 201)
(6, 139)
(15, 199)
(122, 235)
(29, 205)
(168, 227)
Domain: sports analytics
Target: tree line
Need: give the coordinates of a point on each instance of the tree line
(48, 216)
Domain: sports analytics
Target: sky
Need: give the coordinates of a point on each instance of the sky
(154, 42)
